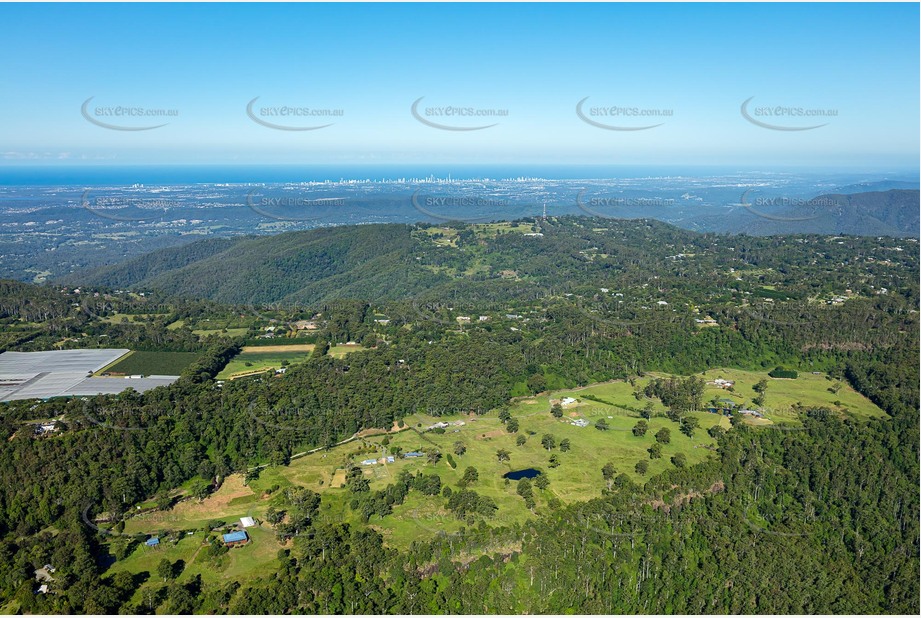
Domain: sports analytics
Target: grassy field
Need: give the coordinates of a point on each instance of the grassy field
(578, 477)
(152, 363)
(808, 390)
(257, 359)
(130, 318)
(258, 558)
(226, 332)
(339, 351)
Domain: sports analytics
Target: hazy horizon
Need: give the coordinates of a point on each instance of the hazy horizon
(737, 85)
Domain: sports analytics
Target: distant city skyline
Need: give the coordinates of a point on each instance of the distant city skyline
(771, 85)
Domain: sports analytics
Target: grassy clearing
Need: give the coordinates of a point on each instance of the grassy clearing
(226, 332)
(339, 351)
(577, 478)
(292, 347)
(130, 318)
(258, 359)
(153, 363)
(808, 390)
(256, 559)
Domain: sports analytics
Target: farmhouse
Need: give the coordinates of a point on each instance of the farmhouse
(721, 383)
(579, 422)
(568, 401)
(152, 542)
(44, 428)
(44, 574)
(413, 454)
(369, 462)
(232, 539)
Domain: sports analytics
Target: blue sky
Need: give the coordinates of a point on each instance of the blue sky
(697, 61)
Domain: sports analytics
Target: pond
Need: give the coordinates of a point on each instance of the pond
(517, 475)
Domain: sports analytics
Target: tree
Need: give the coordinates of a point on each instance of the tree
(512, 425)
(537, 383)
(688, 425)
(274, 516)
(524, 490)
(165, 570)
(565, 444)
(664, 436)
(503, 455)
(716, 432)
(520, 440)
(470, 477)
(647, 410)
(200, 488)
(459, 448)
(655, 451)
(554, 461)
(602, 425)
(524, 487)
(556, 410)
(680, 460)
(548, 442)
(541, 481)
(608, 471)
(639, 430)
(641, 467)
(761, 386)
(504, 415)
(163, 500)
(356, 482)
(434, 456)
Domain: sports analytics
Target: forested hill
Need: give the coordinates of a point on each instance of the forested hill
(367, 261)
(560, 255)
(883, 213)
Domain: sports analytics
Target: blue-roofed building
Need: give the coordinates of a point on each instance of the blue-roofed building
(152, 542)
(414, 454)
(235, 538)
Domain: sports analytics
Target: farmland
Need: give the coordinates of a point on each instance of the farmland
(152, 363)
(256, 359)
(577, 477)
(339, 351)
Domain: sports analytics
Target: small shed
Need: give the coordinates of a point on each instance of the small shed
(152, 542)
(247, 522)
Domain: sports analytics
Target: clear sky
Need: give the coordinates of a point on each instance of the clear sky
(698, 62)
